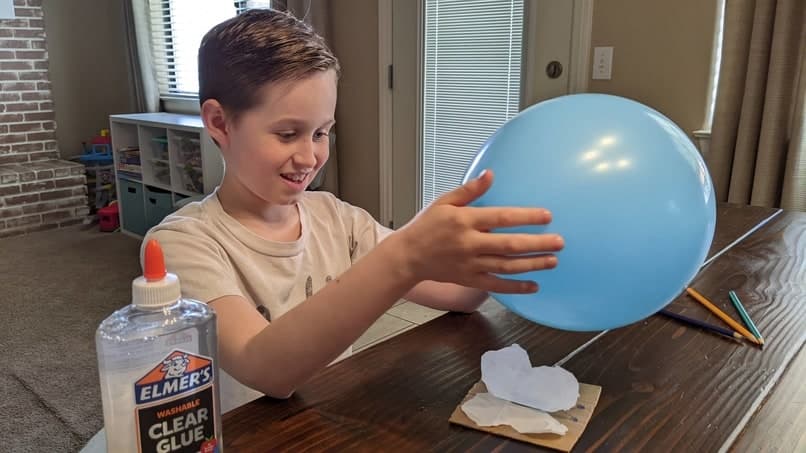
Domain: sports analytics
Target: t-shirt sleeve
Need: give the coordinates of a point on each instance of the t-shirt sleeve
(365, 232)
(204, 271)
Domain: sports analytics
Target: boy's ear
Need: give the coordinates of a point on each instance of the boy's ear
(215, 120)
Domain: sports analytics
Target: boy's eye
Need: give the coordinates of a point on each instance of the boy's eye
(320, 135)
(286, 135)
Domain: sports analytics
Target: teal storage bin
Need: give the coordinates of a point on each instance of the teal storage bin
(133, 207)
(158, 205)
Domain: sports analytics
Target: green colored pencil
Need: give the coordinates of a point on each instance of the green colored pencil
(745, 317)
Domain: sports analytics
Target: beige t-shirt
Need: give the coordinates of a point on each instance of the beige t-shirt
(215, 256)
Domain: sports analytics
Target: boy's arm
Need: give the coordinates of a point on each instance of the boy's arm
(276, 357)
(447, 296)
(313, 334)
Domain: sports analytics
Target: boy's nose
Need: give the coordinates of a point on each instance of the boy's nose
(305, 155)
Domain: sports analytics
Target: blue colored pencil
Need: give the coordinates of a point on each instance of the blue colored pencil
(702, 324)
(745, 317)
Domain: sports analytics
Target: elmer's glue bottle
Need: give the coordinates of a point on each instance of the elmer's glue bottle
(158, 365)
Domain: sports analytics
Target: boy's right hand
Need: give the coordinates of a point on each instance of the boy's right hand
(451, 242)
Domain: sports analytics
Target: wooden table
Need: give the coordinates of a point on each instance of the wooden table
(666, 387)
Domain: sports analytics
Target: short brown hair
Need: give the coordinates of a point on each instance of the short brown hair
(241, 55)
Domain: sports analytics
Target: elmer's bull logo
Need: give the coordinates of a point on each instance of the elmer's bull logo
(180, 372)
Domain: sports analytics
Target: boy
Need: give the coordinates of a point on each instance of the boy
(297, 276)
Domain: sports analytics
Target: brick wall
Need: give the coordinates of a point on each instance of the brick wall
(40, 196)
(38, 191)
(26, 110)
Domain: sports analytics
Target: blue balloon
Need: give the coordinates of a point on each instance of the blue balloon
(628, 191)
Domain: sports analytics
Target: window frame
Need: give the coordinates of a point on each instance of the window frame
(178, 102)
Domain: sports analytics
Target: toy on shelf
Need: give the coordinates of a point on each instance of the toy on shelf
(103, 138)
(189, 163)
(98, 161)
(160, 148)
(129, 162)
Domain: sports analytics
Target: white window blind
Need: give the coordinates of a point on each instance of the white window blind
(471, 83)
(177, 27)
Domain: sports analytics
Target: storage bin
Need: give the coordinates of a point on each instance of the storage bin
(158, 205)
(132, 206)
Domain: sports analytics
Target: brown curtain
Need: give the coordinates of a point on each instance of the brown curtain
(142, 74)
(317, 14)
(758, 148)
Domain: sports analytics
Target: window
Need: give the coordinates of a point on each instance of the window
(177, 27)
(471, 84)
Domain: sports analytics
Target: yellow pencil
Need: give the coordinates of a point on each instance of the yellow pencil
(713, 308)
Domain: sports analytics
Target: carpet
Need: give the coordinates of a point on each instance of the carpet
(55, 288)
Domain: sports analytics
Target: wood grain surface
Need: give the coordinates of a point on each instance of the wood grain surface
(676, 388)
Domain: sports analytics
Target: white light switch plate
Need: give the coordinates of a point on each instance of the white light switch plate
(602, 62)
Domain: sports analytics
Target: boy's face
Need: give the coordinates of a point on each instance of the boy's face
(276, 149)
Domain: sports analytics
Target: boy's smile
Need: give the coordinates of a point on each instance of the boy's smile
(296, 180)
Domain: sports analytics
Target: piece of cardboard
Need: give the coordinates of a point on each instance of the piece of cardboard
(576, 419)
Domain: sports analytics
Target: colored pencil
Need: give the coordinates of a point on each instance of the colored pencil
(745, 317)
(721, 314)
(702, 324)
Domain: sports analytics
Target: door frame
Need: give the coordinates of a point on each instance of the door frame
(578, 76)
(385, 120)
(581, 29)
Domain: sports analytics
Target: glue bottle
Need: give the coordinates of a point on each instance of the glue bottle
(158, 366)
